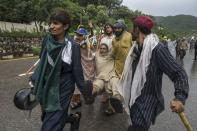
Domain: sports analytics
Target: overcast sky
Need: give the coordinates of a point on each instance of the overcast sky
(163, 7)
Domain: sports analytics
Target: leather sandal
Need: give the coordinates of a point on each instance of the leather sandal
(74, 105)
(75, 121)
(116, 104)
(109, 112)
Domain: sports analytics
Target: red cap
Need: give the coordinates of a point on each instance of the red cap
(144, 21)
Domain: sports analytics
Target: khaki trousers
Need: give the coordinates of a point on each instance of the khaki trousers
(109, 86)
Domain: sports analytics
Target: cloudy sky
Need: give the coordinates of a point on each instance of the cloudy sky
(163, 7)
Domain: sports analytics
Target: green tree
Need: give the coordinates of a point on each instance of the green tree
(91, 11)
(108, 3)
(16, 11)
(81, 11)
(42, 10)
(102, 17)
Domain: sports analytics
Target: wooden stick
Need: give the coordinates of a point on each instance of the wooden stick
(33, 66)
(185, 121)
(28, 72)
(24, 74)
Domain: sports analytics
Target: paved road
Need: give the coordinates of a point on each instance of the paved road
(93, 119)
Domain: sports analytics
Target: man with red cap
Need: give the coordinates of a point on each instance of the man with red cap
(141, 81)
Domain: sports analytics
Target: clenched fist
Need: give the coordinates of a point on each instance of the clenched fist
(176, 106)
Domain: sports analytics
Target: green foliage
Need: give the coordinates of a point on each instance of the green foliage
(102, 17)
(121, 12)
(108, 3)
(164, 32)
(21, 33)
(36, 50)
(91, 11)
(16, 11)
(179, 23)
(81, 11)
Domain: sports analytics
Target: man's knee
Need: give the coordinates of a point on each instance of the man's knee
(98, 86)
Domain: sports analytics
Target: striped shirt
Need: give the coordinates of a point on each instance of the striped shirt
(151, 101)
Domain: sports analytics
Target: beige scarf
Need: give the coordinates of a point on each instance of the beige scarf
(104, 67)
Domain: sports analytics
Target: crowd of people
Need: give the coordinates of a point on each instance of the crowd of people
(16, 47)
(182, 46)
(125, 68)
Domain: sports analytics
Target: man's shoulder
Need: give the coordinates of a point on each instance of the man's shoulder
(160, 46)
(160, 49)
(72, 42)
(127, 36)
(126, 33)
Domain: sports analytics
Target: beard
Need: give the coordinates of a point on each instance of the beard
(118, 33)
(135, 35)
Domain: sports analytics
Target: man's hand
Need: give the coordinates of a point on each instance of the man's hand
(90, 24)
(176, 106)
(87, 92)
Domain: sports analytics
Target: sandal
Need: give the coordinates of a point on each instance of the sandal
(74, 105)
(116, 104)
(75, 121)
(109, 112)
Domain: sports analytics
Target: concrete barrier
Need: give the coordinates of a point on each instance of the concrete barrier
(9, 26)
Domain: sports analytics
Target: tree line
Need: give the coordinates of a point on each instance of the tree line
(81, 11)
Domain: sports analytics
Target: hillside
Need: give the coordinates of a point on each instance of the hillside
(183, 23)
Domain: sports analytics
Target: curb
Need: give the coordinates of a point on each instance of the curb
(19, 59)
